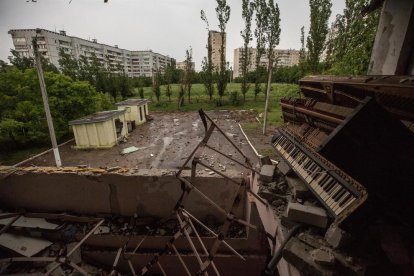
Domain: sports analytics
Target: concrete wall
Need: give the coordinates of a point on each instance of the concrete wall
(392, 53)
(145, 192)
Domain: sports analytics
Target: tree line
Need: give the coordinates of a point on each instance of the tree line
(22, 116)
(88, 84)
(342, 48)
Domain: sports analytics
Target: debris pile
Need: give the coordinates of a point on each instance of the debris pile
(323, 247)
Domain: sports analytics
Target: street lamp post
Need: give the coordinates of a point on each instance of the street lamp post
(46, 100)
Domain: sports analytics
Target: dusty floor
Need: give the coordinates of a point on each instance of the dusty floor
(164, 142)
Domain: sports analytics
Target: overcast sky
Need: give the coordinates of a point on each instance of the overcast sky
(168, 27)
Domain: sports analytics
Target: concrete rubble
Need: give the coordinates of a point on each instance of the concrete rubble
(307, 214)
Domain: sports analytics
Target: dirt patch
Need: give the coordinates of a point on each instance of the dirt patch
(163, 143)
(262, 143)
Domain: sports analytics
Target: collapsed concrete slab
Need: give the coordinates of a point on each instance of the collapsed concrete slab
(125, 201)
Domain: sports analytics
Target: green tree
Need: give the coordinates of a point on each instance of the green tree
(22, 117)
(320, 11)
(302, 51)
(141, 92)
(188, 72)
(207, 75)
(21, 62)
(223, 16)
(247, 13)
(261, 23)
(156, 90)
(68, 65)
(272, 33)
(350, 44)
(168, 77)
(3, 66)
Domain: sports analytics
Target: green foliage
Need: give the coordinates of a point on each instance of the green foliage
(188, 72)
(261, 24)
(141, 92)
(272, 33)
(206, 74)
(20, 62)
(350, 46)
(22, 117)
(3, 66)
(156, 85)
(234, 98)
(247, 13)
(104, 76)
(201, 100)
(320, 10)
(223, 16)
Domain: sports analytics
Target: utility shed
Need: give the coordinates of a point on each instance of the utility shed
(100, 130)
(136, 110)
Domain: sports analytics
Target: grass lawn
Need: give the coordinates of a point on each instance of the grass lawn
(199, 99)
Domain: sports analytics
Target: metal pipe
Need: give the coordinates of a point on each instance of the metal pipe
(76, 246)
(214, 234)
(203, 246)
(180, 259)
(187, 235)
(271, 266)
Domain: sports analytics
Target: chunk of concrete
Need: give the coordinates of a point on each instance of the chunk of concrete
(267, 172)
(283, 167)
(323, 256)
(265, 160)
(336, 237)
(297, 254)
(298, 187)
(307, 214)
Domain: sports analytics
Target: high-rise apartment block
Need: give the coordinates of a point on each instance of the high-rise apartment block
(135, 63)
(285, 58)
(216, 41)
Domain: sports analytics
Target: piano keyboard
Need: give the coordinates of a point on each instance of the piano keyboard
(338, 192)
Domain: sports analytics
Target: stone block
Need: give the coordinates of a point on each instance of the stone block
(336, 237)
(298, 187)
(267, 172)
(297, 254)
(265, 160)
(323, 256)
(283, 167)
(307, 214)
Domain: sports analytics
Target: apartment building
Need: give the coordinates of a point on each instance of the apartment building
(216, 41)
(182, 64)
(287, 57)
(135, 63)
